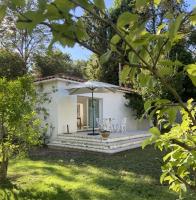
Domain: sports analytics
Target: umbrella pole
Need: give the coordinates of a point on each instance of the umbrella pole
(93, 113)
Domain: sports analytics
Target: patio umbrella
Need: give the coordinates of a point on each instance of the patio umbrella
(92, 87)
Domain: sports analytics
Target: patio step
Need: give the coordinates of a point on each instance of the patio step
(97, 144)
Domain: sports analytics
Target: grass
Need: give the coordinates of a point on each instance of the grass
(57, 175)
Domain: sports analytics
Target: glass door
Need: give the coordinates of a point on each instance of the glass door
(90, 113)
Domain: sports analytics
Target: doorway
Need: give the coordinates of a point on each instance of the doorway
(84, 112)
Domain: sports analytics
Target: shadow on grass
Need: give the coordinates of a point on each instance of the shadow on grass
(6, 191)
(58, 193)
(141, 162)
(115, 191)
(123, 176)
(8, 184)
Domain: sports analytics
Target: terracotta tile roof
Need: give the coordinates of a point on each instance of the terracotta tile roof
(63, 76)
(73, 78)
(127, 90)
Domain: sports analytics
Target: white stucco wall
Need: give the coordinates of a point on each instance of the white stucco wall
(67, 109)
(63, 107)
(114, 107)
(49, 88)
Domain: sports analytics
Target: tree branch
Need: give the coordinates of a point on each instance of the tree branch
(183, 145)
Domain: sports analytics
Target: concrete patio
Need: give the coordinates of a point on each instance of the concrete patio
(115, 143)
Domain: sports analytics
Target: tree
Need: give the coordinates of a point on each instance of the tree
(55, 62)
(145, 55)
(11, 65)
(19, 124)
(178, 79)
(155, 16)
(99, 35)
(92, 70)
(25, 42)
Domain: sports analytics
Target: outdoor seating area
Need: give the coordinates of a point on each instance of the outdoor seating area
(112, 125)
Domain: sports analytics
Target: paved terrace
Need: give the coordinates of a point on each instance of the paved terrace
(115, 143)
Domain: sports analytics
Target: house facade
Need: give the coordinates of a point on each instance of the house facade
(73, 113)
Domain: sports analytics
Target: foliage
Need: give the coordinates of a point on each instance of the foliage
(11, 65)
(25, 42)
(145, 53)
(136, 102)
(92, 71)
(180, 161)
(180, 51)
(19, 124)
(54, 62)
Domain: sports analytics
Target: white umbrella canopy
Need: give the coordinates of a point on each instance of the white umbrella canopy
(92, 87)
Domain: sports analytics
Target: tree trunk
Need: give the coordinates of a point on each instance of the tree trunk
(3, 170)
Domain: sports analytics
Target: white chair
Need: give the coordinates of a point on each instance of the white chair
(99, 123)
(123, 125)
(114, 125)
(107, 124)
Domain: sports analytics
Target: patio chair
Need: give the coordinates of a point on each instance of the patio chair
(115, 125)
(123, 125)
(99, 123)
(107, 124)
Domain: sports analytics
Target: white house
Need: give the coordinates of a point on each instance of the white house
(72, 113)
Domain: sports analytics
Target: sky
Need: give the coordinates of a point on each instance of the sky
(81, 53)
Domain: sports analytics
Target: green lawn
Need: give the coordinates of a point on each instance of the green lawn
(57, 175)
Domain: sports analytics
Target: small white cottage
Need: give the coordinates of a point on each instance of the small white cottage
(71, 115)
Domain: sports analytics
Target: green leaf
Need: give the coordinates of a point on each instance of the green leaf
(163, 175)
(26, 25)
(105, 57)
(100, 4)
(64, 4)
(167, 156)
(155, 131)
(133, 58)
(147, 105)
(124, 73)
(2, 12)
(146, 143)
(157, 2)
(144, 79)
(31, 19)
(191, 70)
(17, 3)
(52, 13)
(160, 28)
(142, 40)
(85, 4)
(115, 39)
(193, 17)
(174, 26)
(162, 101)
(172, 112)
(132, 74)
(140, 3)
(80, 30)
(36, 17)
(126, 18)
(166, 67)
(60, 31)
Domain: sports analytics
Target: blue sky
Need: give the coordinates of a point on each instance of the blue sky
(78, 52)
